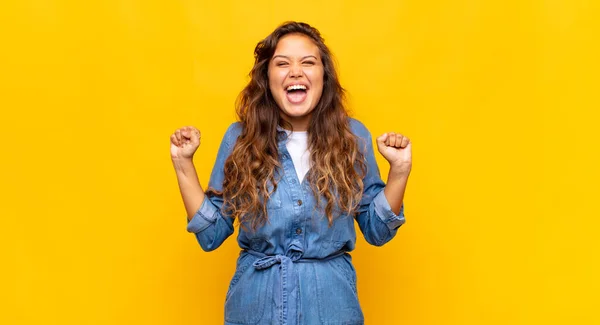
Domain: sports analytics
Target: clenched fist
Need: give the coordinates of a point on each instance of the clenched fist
(396, 149)
(184, 142)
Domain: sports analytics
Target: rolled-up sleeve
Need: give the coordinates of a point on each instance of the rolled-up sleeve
(210, 225)
(385, 213)
(376, 220)
(206, 216)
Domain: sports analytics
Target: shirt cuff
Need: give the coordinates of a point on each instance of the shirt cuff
(385, 213)
(204, 217)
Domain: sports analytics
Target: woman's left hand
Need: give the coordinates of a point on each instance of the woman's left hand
(396, 149)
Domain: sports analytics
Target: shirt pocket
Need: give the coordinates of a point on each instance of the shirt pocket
(336, 293)
(260, 244)
(245, 299)
(274, 201)
(347, 270)
(329, 247)
(243, 263)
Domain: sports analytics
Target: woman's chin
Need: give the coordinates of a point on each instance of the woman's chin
(297, 110)
(297, 113)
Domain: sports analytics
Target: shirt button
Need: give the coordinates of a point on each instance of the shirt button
(298, 231)
(299, 202)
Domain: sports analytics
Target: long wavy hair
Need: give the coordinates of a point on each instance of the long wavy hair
(252, 170)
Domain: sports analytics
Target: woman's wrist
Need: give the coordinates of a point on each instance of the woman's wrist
(399, 173)
(182, 164)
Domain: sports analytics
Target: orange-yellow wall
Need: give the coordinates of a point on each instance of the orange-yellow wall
(500, 99)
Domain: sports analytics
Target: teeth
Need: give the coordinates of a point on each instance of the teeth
(296, 87)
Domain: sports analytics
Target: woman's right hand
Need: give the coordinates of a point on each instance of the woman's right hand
(184, 142)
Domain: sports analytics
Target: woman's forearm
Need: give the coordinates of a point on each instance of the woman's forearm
(395, 188)
(189, 185)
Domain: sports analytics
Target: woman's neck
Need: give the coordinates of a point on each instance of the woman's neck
(299, 123)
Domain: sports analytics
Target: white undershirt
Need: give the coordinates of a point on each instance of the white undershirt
(297, 146)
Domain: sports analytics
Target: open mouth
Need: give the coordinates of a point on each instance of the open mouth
(296, 93)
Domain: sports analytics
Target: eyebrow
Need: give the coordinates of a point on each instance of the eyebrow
(287, 57)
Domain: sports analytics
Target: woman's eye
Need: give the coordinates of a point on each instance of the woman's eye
(281, 64)
(309, 62)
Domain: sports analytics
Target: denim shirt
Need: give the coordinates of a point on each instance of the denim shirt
(295, 269)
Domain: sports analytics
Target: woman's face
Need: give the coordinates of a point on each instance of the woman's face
(296, 79)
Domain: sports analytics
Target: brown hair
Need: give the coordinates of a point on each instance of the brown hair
(338, 165)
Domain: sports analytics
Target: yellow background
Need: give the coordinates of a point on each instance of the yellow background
(500, 99)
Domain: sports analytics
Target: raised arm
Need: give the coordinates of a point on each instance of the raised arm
(205, 216)
(184, 143)
(381, 210)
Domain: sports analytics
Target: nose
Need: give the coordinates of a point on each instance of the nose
(296, 71)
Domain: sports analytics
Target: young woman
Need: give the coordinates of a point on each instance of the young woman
(296, 172)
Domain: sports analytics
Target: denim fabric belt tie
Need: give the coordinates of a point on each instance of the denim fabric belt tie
(287, 297)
